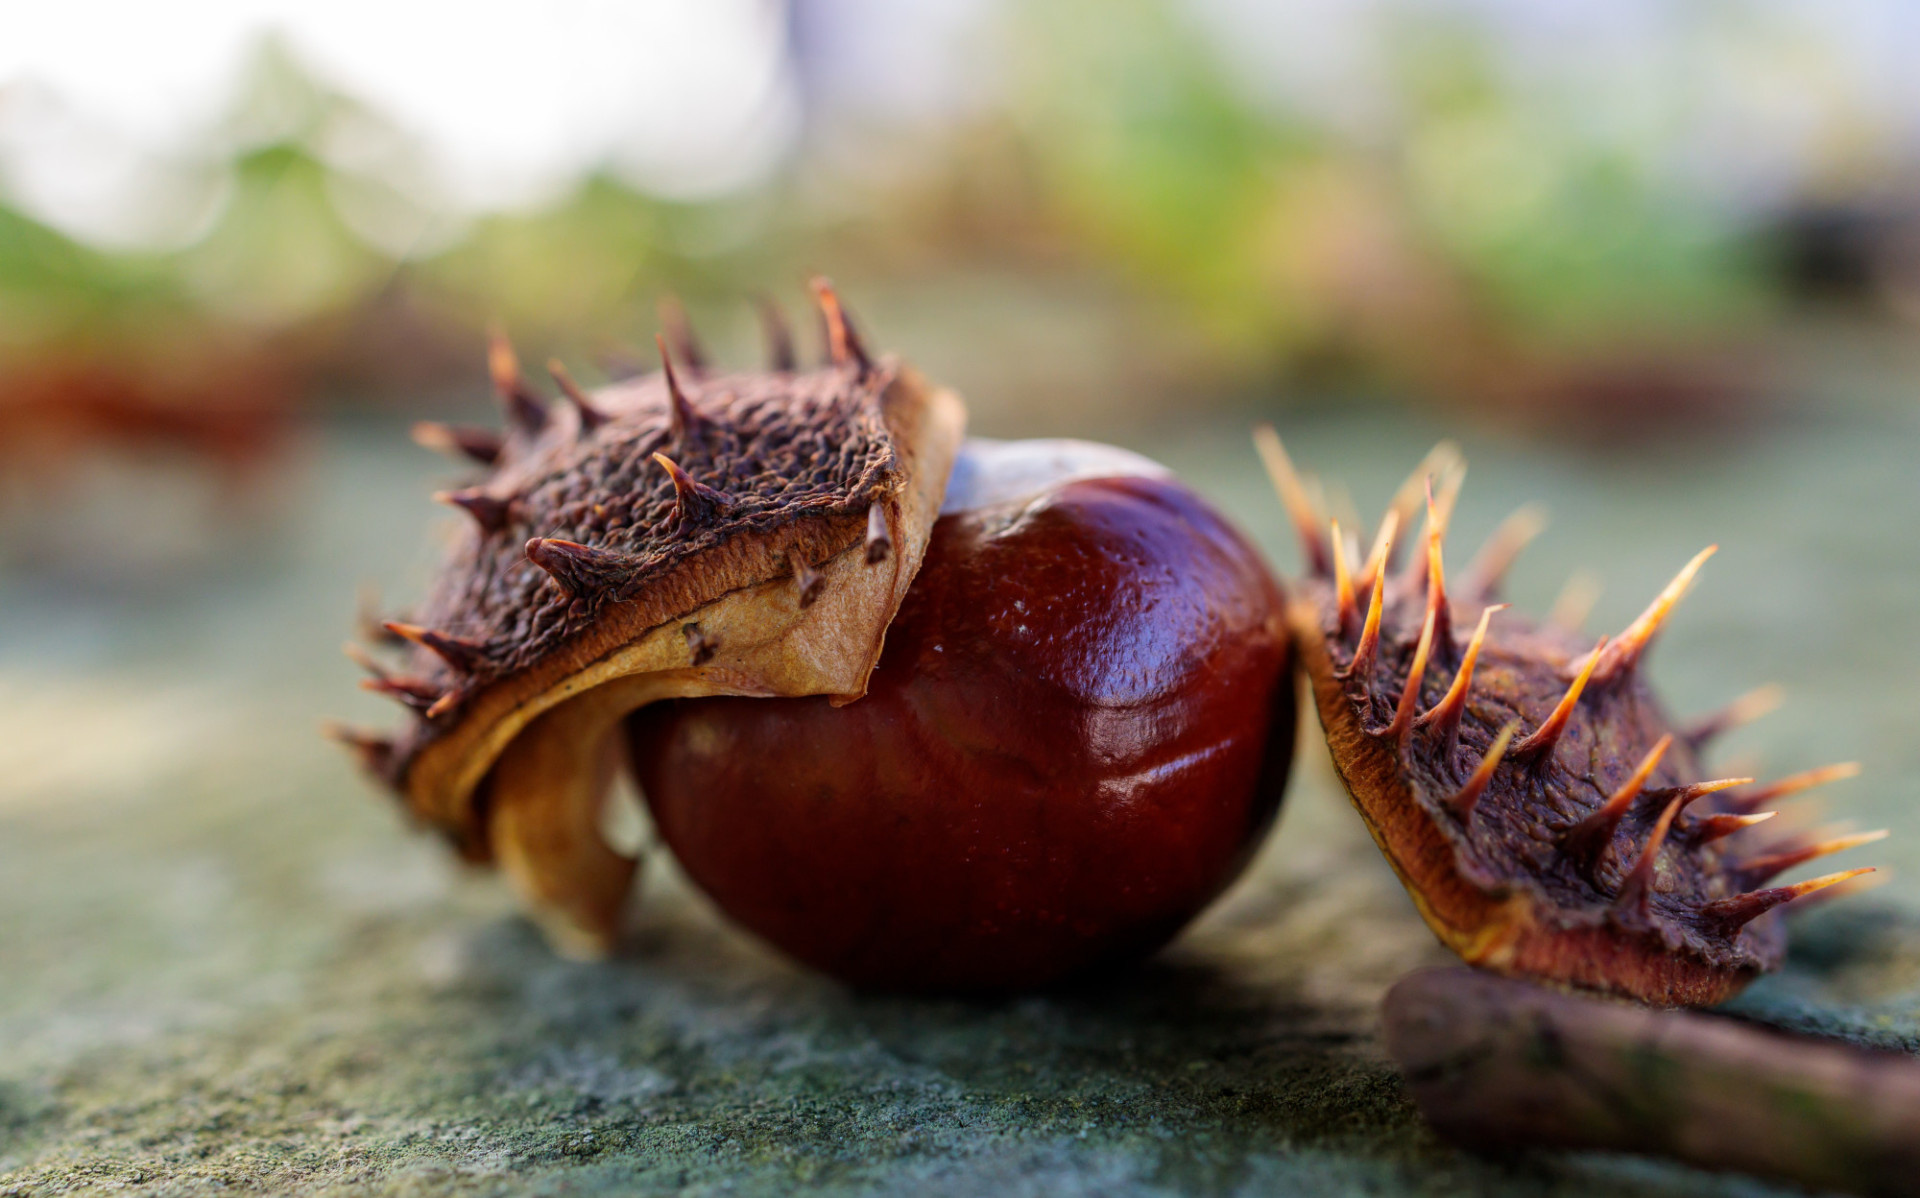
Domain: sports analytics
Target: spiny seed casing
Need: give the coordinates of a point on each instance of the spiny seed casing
(1546, 815)
(742, 505)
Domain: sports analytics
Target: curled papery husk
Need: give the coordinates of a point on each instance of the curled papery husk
(676, 534)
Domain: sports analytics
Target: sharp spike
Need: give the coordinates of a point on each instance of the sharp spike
(1793, 784)
(700, 646)
(1630, 645)
(1416, 565)
(374, 751)
(1464, 800)
(580, 571)
(1585, 839)
(1744, 710)
(443, 704)
(1759, 869)
(1340, 506)
(1794, 826)
(1694, 791)
(1293, 494)
(477, 444)
(1452, 481)
(779, 337)
(1540, 744)
(1442, 460)
(1440, 502)
(879, 536)
(416, 693)
(490, 512)
(1446, 713)
(1375, 568)
(1574, 603)
(1489, 566)
(1437, 575)
(681, 418)
(808, 580)
(1861, 882)
(1316, 495)
(365, 660)
(843, 341)
(679, 333)
(1639, 879)
(460, 653)
(368, 621)
(1747, 761)
(1348, 607)
(1732, 914)
(503, 365)
(1721, 826)
(692, 500)
(1416, 674)
(591, 417)
(526, 410)
(1361, 666)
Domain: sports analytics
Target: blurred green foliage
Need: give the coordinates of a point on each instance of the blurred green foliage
(1561, 214)
(1155, 161)
(53, 288)
(1525, 216)
(1492, 222)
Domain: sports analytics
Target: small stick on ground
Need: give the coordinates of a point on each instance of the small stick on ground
(1500, 1064)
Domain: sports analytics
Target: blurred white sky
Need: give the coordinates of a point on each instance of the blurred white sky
(510, 100)
(106, 108)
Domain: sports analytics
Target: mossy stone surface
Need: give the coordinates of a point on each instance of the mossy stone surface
(227, 967)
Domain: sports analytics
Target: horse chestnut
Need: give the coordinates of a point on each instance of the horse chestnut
(1077, 734)
(1045, 750)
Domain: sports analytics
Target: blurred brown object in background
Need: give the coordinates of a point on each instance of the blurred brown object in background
(1497, 1064)
(141, 462)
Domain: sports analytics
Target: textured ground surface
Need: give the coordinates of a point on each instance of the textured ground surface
(224, 965)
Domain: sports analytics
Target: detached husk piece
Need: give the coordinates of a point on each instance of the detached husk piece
(1545, 813)
(684, 533)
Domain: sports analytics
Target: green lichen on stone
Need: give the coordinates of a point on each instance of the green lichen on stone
(225, 967)
(439, 1048)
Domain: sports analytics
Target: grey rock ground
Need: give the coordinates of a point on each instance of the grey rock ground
(226, 967)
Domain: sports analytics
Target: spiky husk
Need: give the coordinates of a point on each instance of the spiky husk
(1498, 887)
(1544, 812)
(668, 536)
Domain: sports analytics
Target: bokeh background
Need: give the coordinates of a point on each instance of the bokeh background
(1656, 265)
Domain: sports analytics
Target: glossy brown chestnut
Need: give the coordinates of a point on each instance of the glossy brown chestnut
(1077, 735)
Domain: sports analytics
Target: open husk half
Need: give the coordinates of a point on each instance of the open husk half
(680, 534)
